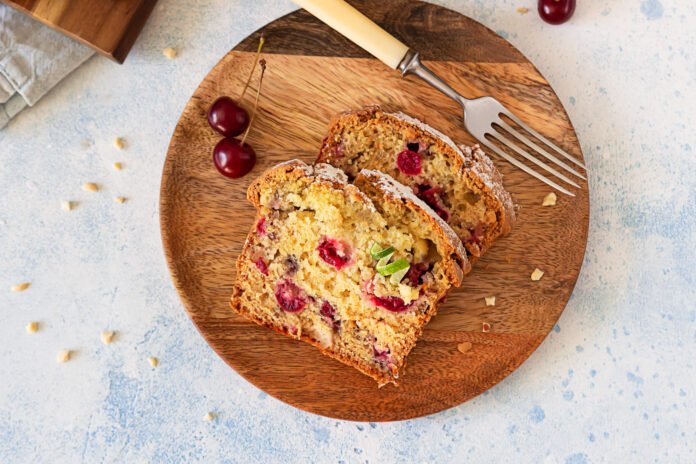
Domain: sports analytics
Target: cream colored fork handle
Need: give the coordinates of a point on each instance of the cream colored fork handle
(358, 28)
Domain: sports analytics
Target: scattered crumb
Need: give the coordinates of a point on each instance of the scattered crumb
(536, 275)
(464, 347)
(210, 416)
(107, 336)
(119, 143)
(523, 10)
(153, 361)
(485, 327)
(66, 205)
(169, 52)
(64, 356)
(32, 327)
(490, 301)
(549, 200)
(120, 199)
(90, 187)
(118, 166)
(20, 287)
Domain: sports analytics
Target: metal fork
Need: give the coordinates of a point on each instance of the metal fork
(483, 117)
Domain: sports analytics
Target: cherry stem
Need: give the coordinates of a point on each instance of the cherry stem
(262, 63)
(262, 40)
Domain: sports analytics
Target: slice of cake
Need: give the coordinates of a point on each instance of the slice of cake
(461, 185)
(356, 270)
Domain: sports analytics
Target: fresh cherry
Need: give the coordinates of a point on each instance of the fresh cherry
(227, 117)
(409, 162)
(556, 11)
(233, 158)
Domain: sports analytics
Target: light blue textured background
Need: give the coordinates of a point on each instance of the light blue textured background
(615, 382)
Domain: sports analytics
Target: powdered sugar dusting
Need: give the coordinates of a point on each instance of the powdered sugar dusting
(387, 184)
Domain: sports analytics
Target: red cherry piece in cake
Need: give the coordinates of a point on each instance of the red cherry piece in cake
(431, 197)
(415, 272)
(334, 252)
(261, 226)
(328, 312)
(380, 354)
(476, 234)
(262, 266)
(290, 297)
(291, 265)
(409, 162)
(390, 303)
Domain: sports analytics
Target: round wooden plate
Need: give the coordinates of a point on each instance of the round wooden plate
(313, 74)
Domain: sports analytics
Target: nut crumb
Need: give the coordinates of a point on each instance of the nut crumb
(485, 327)
(210, 416)
(90, 187)
(107, 337)
(464, 347)
(118, 166)
(66, 205)
(153, 361)
(549, 200)
(523, 10)
(32, 327)
(20, 287)
(490, 301)
(119, 144)
(120, 200)
(536, 275)
(169, 52)
(64, 356)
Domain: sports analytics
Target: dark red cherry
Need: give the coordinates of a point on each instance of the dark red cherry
(556, 11)
(409, 162)
(232, 158)
(227, 117)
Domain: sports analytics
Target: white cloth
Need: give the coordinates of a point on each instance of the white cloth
(33, 59)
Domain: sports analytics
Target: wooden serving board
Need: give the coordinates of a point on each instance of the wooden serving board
(108, 26)
(313, 74)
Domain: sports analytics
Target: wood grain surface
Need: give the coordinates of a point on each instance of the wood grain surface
(108, 26)
(313, 74)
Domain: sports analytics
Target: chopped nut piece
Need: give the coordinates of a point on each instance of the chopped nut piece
(118, 166)
(20, 287)
(210, 416)
(90, 187)
(119, 143)
(64, 356)
(66, 205)
(153, 361)
(485, 327)
(32, 327)
(169, 52)
(464, 347)
(120, 199)
(107, 336)
(549, 200)
(490, 301)
(523, 10)
(536, 275)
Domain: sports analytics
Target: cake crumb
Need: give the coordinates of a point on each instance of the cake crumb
(169, 52)
(66, 205)
(536, 275)
(20, 287)
(119, 144)
(464, 347)
(485, 327)
(64, 356)
(120, 200)
(490, 301)
(90, 187)
(154, 362)
(549, 200)
(32, 327)
(107, 336)
(210, 416)
(523, 10)
(118, 166)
